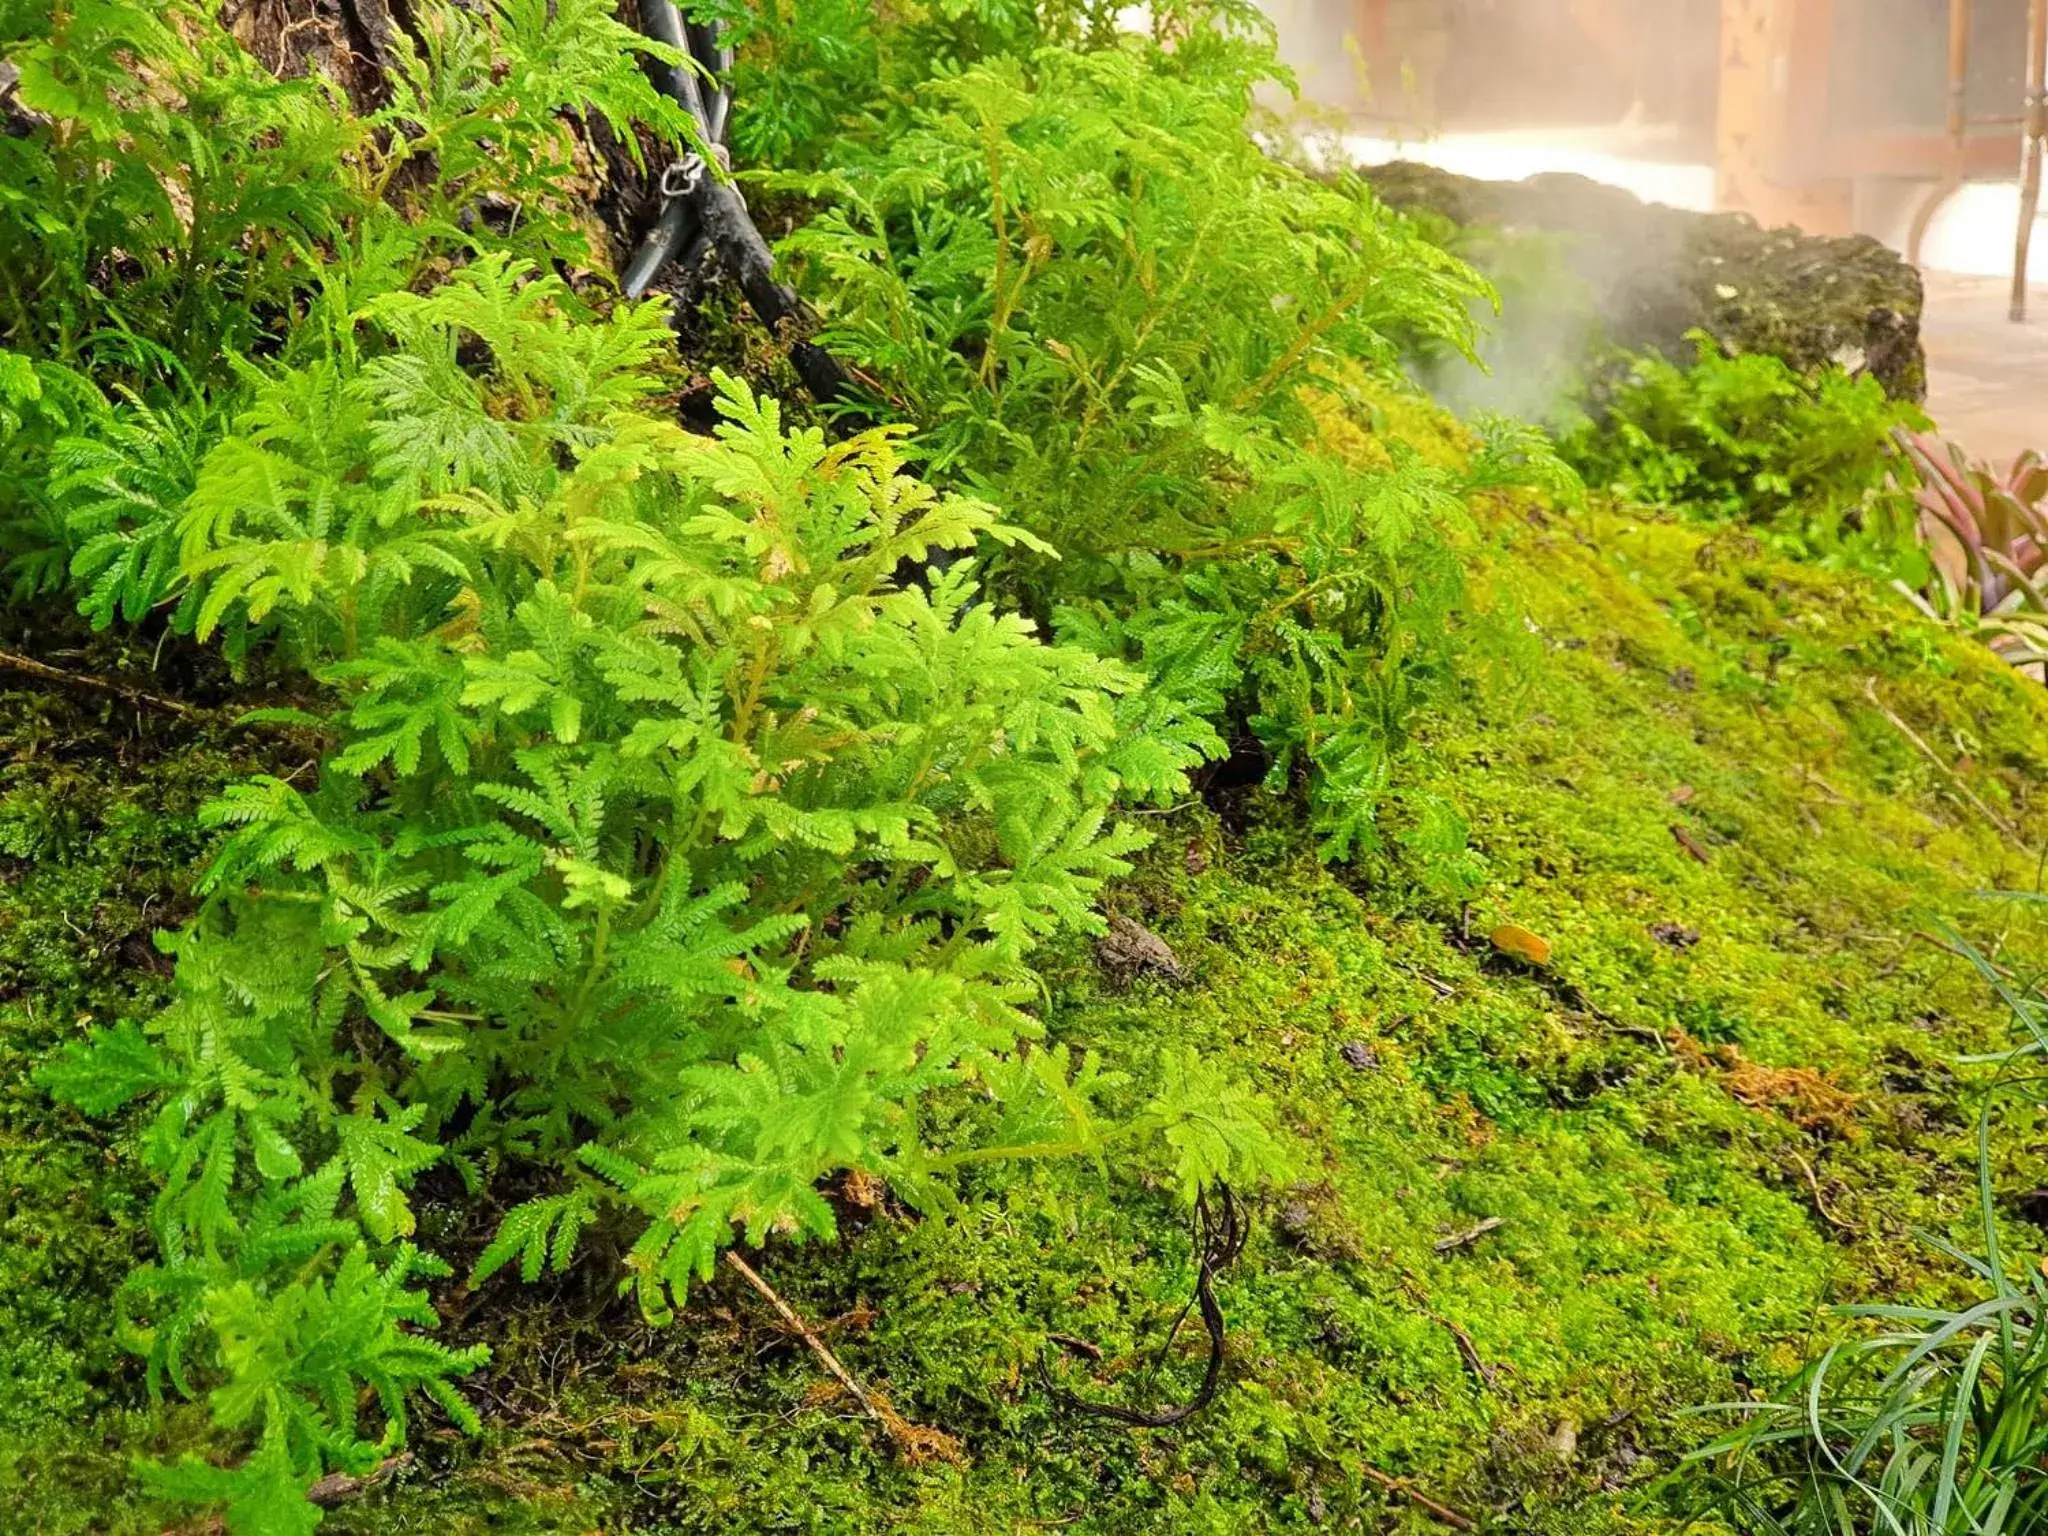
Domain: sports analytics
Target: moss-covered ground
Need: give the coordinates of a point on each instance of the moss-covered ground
(1737, 799)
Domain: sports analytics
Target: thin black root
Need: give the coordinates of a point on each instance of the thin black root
(1219, 1239)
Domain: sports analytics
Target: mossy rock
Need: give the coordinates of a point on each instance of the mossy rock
(1652, 274)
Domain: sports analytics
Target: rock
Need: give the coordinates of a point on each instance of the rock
(1297, 1224)
(338, 1487)
(1309, 1223)
(1649, 274)
(1130, 949)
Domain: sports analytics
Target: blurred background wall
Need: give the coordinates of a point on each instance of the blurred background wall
(1828, 114)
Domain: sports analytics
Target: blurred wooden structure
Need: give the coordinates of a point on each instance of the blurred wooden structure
(1829, 105)
(1477, 58)
(1833, 115)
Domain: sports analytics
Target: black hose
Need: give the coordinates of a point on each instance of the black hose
(714, 209)
(672, 232)
(660, 20)
(708, 44)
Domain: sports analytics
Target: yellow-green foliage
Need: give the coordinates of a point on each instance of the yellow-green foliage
(594, 682)
(1664, 1241)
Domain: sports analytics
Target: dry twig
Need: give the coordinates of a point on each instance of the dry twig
(1421, 1501)
(1691, 844)
(1485, 1374)
(1479, 1368)
(1219, 1240)
(1949, 949)
(49, 674)
(1074, 1346)
(1820, 1203)
(1934, 757)
(915, 1442)
(1462, 1239)
(1436, 984)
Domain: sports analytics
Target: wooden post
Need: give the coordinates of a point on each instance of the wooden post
(2033, 145)
(1959, 12)
(1772, 74)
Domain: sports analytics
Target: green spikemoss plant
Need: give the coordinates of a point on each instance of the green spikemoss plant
(669, 846)
(1096, 296)
(184, 209)
(1808, 460)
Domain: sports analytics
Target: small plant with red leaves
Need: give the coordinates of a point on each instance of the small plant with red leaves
(1986, 536)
